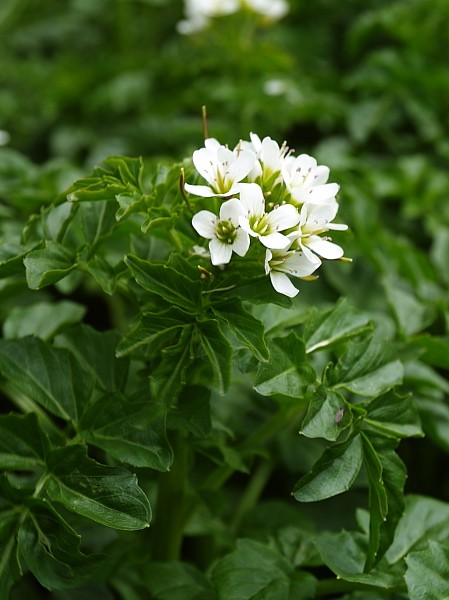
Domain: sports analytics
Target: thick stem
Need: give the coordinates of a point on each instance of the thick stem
(174, 505)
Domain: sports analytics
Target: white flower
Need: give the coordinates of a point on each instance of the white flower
(265, 226)
(224, 232)
(198, 13)
(314, 220)
(222, 168)
(273, 9)
(268, 154)
(279, 264)
(307, 181)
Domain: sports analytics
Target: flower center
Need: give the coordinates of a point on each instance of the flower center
(259, 225)
(225, 231)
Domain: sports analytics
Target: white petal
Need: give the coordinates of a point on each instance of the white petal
(199, 190)
(212, 145)
(276, 241)
(324, 248)
(204, 162)
(245, 225)
(268, 257)
(323, 193)
(321, 175)
(282, 284)
(299, 265)
(251, 196)
(283, 217)
(337, 226)
(220, 253)
(232, 210)
(270, 154)
(242, 165)
(241, 242)
(204, 223)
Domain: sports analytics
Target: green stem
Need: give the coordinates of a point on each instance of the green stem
(328, 587)
(174, 505)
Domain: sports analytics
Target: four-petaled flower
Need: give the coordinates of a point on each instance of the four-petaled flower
(224, 232)
(265, 226)
(307, 181)
(279, 264)
(222, 168)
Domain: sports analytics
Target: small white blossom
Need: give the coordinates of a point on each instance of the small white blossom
(265, 226)
(315, 219)
(269, 159)
(272, 9)
(222, 168)
(307, 181)
(279, 264)
(224, 232)
(198, 13)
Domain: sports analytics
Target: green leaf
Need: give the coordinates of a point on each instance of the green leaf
(98, 220)
(108, 495)
(366, 369)
(246, 328)
(411, 315)
(427, 575)
(128, 431)
(48, 265)
(325, 329)
(50, 549)
(394, 416)
(434, 350)
(333, 473)
(254, 571)
(288, 372)
(50, 376)
(218, 352)
(95, 353)
(102, 272)
(10, 570)
(192, 412)
(328, 414)
(22, 444)
(42, 319)
(153, 332)
(423, 519)
(178, 581)
(345, 554)
(172, 286)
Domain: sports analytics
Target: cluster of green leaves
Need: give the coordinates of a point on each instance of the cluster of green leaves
(201, 374)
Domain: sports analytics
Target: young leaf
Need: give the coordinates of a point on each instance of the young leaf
(48, 265)
(22, 444)
(174, 287)
(333, 473)
(427, 574)
(246, 328)
(50, 549)
(107, 495)
(178, 581)
(254, 571)
(328, 414)
(128, 431)
(325, 329)
(288, 372)
(50, 376)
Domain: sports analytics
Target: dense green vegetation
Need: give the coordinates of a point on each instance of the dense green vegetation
(282, 449)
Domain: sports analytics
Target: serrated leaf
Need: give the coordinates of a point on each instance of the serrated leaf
(174, 287)
(50, 549)
(48, 265)
(254, 571)
(127, 431)
(333, 473)
(107, 495)
(246, 328)
(42, 319)
(288, 373)
(22, 444)
(50, 376)
(393, 415)
(345, 553)
(324, 329)
(366, 369)
(218, 352)
(327, 415)
(178, 581)
(427, 575)
(95, 353)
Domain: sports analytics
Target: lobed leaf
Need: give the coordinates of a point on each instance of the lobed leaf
(427, 575)
(22, 443)
(328, 414)
(48, 265)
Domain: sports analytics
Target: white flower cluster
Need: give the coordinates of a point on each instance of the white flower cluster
(198, 12)
(270, 197)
